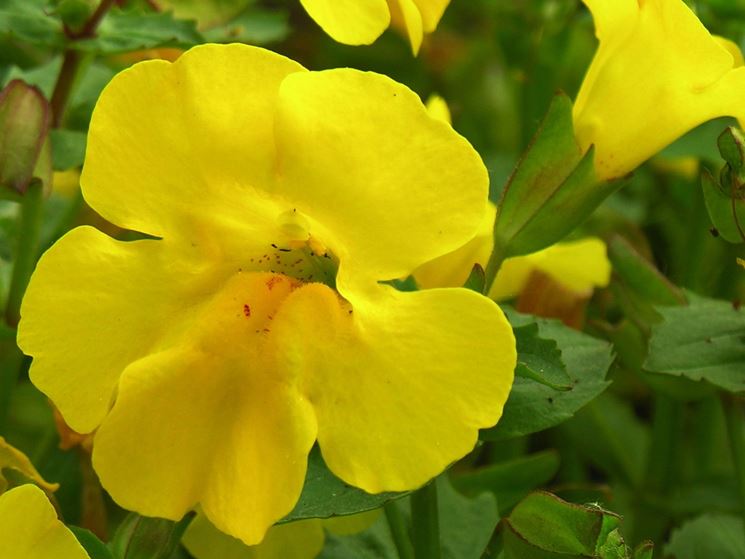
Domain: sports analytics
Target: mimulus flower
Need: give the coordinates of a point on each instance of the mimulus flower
(360, 22)
(657, 73)
(29, 528)
(255, 317)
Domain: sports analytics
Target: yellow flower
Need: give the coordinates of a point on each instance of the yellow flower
(257, 320)
(29, 528)
(579, 266)
(657, 73)
(360, 22)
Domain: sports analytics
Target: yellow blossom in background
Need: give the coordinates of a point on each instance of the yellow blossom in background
(657, 73)
(579, 266)
(438, 108)
(302, 539)
(66, 183)
(254, 321)
(29, 528)
(360, 22)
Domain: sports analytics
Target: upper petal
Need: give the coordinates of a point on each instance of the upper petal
(657, 74)
(29, 528)
(169, 140)
(401, 385)
(406, 17)
(388, 186)
(431, 11)
(353, 22)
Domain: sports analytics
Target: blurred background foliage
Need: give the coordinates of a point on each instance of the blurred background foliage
(653, 447)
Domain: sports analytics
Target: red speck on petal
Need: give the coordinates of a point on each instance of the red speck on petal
(246, 310)
(272, 281)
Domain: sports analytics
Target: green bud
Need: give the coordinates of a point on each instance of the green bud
(25, 154)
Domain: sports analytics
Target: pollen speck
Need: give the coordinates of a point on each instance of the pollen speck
(247, 310)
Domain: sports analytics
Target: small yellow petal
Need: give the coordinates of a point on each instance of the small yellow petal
(353, 22)
(14, 459)
(438, 108)
(405, 16)
(432, 11)
(296, 540)
(579, 266)
(29, 528)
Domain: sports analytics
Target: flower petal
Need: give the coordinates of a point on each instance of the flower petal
(431, 11)
(656, 75)
(199, 427)
(388, 186)
(29, 528)
(401, 385)
(169, 141)
(92, 307)
(579, 266)
(352, 22)
(296, 540)
(406, 17)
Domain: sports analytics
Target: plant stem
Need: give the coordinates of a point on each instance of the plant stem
(425, 525)
(71, 62)
(399, 532)
(496, 259)
(27, 249)
(734, 417)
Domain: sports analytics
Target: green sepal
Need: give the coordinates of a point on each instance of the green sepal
(723, 206)
(553, 189)
(476, 280)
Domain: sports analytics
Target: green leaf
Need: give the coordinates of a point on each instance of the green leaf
(124, 31)
(702, 341)
(253, 26)
(709, 536)
(324, 495)
(542, 526)
(731, 146)
(95, 548)
(374, 543)
(722, 210)
(512, 480)
(68, 149)
(533, 406)
(552, 190)
(640, 275)
(539, 359)
(30, 22)
(139, 537)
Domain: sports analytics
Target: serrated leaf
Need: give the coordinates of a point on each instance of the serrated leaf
(512, 480)
(539, 359)
(702, 341)
(533, 407)
(325, 495)
(709, 536)
(544, 526)
(125, 31)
